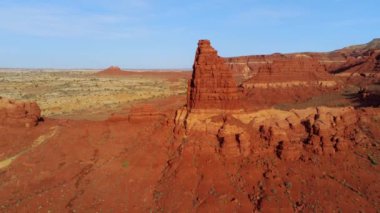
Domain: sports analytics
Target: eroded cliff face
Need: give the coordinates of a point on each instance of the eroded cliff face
(19, 113)
(212, 85)
(289, 72)
(254, 160)
(347, 62)
(318, 130)
(270, 160)
(269, 80)
(284, 67)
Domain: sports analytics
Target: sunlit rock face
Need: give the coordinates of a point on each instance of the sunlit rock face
(212, 85)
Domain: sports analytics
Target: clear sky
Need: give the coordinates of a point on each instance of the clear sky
(164, 34)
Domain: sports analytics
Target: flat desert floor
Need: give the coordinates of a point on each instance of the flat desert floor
(81, 94)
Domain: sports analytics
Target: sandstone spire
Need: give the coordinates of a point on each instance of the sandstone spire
(212, 85)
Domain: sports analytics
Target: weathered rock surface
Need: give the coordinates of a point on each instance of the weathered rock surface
(278, 68)
(19, 113)
(220, 83)
(318, 130)
(338, 61)
(289, 72)
(274, 143)
(212, 85)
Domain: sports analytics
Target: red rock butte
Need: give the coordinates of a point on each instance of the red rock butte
(112, 70)
(212, 85)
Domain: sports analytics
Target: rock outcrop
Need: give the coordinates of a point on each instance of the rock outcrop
(245, 67)
(362, 70)
(281, 67)
(293, 71)
(243, 132)
(287, 134)
(111, 71)
(19, 113)
(212, 85)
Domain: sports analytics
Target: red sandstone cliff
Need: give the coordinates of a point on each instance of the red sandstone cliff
(365, 65)
(293, 69)
(212, 85)
(342, 60)
(269, 80)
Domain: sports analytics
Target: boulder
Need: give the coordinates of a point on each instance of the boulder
(19, 113)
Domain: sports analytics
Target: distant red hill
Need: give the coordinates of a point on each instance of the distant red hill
(115, 71)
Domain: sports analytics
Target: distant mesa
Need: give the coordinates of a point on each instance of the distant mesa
(19, 113)
(111, 71)
(172, 75)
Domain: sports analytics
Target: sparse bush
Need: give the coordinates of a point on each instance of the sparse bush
(125, 164)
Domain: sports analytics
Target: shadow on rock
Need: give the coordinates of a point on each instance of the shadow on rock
(365, 98)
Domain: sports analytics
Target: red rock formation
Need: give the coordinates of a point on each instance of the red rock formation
(319, 130)
(245, 67)
(300, 68)
(212, 85)
(366, 65)
(111, 71)
(171, 75)
(282, 78)
(18, 113)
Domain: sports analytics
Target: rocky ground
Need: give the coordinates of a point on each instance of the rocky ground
(142, 160)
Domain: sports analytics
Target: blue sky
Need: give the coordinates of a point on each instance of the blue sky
(164, 34)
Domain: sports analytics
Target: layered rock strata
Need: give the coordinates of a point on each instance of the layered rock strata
(212, 85)
(19, 113)
(297, 71)
(247, 67)
(346, 60)
(237, 133)
(287, 134)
